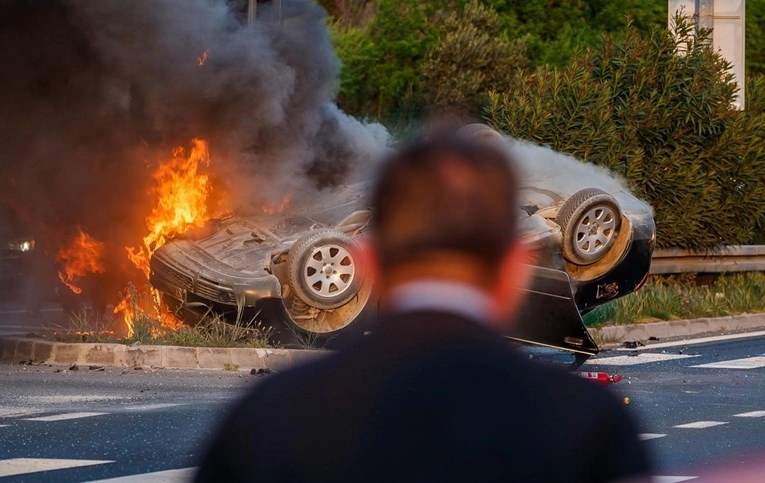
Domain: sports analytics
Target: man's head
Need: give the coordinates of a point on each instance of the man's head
(446, 208)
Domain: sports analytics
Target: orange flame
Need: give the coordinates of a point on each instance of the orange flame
(202, 59)
(182, 194)
(181, 201)
(274, 209)
(82, 256)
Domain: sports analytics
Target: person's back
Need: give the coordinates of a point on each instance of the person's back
(435, 394)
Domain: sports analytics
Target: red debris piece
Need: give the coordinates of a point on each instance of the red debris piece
(603, 378)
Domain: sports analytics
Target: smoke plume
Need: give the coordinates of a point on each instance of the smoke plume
(93, 93)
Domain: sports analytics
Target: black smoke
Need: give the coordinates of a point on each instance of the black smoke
(94, 93)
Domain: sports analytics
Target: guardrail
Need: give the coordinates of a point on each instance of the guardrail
(748, 258)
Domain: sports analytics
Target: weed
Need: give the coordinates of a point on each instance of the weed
(679, 297)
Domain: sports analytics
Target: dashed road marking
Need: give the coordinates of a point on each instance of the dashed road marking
(751, 414)
(643, 358)
(700, 424)
(65, 416)
(22, 466)
(3, 425)
(18, 412)
(647, 436)
(74, 398)
(169, 476)
(746, 363)
(151, 407)
(672, 479)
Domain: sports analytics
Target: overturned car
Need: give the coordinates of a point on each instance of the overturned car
(297, 271)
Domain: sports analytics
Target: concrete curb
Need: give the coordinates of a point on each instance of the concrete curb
(24, 349)
(677, 328)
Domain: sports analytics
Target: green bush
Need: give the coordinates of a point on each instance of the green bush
(471, 58)
(656, 108)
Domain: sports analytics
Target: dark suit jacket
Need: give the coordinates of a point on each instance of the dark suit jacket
(428, 397)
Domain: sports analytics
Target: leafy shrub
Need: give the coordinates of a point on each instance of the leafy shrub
(471, 58)
(656, 108)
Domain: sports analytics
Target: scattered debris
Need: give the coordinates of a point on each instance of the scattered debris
(603, 378)
(652, 338)
(261, 371)
(96, 368)
(626, 401)
(632, 344)
(74, 367)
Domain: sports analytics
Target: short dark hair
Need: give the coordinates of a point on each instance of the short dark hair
(446, 193)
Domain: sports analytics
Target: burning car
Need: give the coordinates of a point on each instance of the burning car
(593, 246)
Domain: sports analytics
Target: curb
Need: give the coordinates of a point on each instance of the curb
(616, 334)
(31, 350)
(39, 351)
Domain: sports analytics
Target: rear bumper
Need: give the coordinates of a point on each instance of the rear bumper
(188, 280)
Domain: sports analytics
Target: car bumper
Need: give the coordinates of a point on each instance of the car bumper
(188, 279)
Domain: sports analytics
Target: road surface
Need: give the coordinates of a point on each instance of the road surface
(699, 406)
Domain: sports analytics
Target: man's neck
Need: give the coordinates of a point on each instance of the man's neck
(426, 294)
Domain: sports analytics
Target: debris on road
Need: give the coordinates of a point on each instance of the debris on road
(603, 378)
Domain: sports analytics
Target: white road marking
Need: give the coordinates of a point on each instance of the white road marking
(702, 340)
(643, 358)
(672, 479)
(746, 363)
(169, 476)
(22, 466)
(73, 398)
(647, 436)
(3, 425)
(150, 407)
(700, 424)
(65, 416)
(752, 414)
(17, 412)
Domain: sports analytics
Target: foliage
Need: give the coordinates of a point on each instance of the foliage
(471, 58)
(680, 297)
(385, 44)
(381, 61)
(656, 108)
(212, 330)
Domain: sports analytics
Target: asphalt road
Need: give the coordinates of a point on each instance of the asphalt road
(700, 406)
(116, 423)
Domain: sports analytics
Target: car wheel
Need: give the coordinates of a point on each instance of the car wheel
(322, 271)
(590, 222)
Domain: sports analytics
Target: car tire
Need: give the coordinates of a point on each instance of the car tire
(590, 221)
(322, 270)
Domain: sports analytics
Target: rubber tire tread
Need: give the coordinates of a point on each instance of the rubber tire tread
(569, 215)
(297, 257)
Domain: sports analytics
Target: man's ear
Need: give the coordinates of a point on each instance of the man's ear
(513, 277)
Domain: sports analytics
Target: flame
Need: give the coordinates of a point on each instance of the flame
(181, 201)
(181, 204)
(203, 57)
(83, 255)
(274, 209)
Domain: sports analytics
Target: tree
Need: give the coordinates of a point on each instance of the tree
(470, 58)
(655, 108)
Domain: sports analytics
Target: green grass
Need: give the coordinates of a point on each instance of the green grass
(211, 331)
(685, 297)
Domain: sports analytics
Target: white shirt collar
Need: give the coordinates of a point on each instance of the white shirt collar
(442, 296)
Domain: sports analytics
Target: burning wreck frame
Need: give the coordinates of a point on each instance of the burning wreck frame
(297, 271)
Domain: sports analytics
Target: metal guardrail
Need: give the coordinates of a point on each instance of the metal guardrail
(743, 258)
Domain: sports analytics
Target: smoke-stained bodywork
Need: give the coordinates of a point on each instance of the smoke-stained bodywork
(245, 262)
